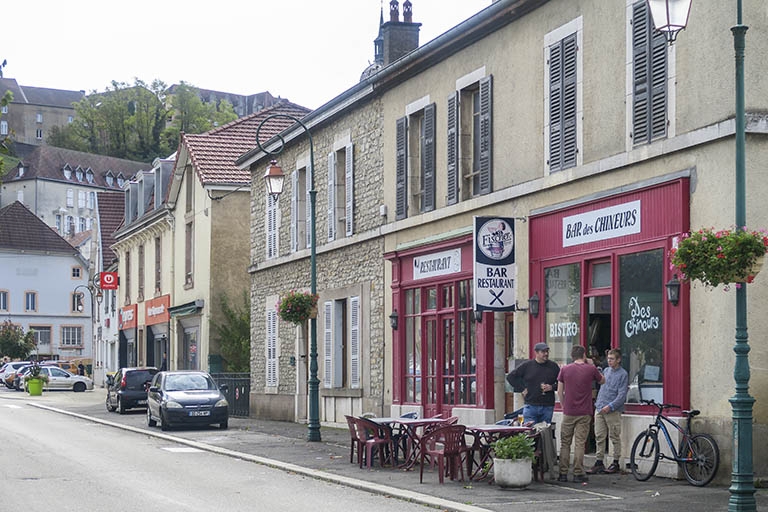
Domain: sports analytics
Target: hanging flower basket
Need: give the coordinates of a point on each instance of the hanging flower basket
(297, 307)
(720, 257)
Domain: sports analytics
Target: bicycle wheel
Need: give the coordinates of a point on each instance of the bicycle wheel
(704, 457)
(645, 455)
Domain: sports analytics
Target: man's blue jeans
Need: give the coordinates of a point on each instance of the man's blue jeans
(538, 413)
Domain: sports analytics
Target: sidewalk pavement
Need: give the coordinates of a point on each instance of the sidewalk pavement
(284, 446)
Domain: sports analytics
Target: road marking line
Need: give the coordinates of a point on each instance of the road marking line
(181, 449)
(12, 406)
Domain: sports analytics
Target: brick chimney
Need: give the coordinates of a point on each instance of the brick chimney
(399, 37)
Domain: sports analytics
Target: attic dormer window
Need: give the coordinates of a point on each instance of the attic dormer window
(21, 171)
(110, 179)
(89, 176)
(120, 180)
(68, 173)
(79, 175)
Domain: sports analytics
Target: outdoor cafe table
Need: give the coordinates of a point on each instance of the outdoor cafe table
(484, 437)
(414, 429)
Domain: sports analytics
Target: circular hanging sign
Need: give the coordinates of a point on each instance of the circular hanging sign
(496, 239)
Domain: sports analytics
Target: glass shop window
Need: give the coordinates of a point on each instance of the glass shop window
(562, 310)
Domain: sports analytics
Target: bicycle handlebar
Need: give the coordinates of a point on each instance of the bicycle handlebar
(660, 406)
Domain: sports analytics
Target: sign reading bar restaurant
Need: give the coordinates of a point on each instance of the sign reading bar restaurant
(437, 264)
(494, 278)
(602, 224)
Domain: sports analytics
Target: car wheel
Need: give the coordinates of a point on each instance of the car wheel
(150, 421)
(164, 426)
(110, 407)
(120, 406)
(224, 424)
(79, 387)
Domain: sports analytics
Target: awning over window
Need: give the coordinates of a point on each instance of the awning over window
(189, 308)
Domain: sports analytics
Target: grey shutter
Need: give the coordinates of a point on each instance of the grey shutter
(349, 189)
(294, 211)
(452, 178)
(401, 169)
(486, 135)
(428, 160)
(310, 186)
(649, 66)
(271, 226)
(562, 104)
(354, 342)
(327, 344)
(331, 196)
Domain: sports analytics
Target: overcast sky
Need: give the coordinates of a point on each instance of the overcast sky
(308, 51)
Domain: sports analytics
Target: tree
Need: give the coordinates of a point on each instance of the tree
(233, 334)
(191, 115)
(5, 99)
(14, 343)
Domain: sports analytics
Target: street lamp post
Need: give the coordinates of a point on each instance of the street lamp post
(95, 293)
(742, 477)
(274, 179)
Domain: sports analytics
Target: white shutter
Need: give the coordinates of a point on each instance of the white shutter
(271, 227)
(331, 196)
(354, 341)
(271, 348)
(294, 211)
(327, 343)
(349, 207)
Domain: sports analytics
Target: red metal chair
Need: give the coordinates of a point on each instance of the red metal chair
(375, 437)
(444, 443)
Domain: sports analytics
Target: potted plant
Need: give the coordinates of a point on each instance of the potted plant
(720, 257)
(513, 461)
(297, 307)
(34, 380)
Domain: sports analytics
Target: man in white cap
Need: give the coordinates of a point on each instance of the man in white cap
(539, 376)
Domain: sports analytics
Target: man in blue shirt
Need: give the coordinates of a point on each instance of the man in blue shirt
(608, 408)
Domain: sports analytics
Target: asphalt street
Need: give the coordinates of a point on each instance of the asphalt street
(283, 445)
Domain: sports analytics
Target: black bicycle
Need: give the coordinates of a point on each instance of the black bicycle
(698, 454)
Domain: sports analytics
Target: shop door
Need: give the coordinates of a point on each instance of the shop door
(440, 362)
(431, 399)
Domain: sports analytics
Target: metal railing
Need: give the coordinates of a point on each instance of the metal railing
(237, 393)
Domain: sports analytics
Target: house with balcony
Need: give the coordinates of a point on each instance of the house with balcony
(600, 145)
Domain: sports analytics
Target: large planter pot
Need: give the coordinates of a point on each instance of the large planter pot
(35, 387)
(512, 473)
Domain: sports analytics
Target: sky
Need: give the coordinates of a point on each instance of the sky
(307, 51)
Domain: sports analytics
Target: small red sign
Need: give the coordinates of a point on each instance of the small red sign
(108, 280)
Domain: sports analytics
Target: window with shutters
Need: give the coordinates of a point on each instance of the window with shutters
(189, 248)
(469, 142)
(341, 192)
(650, 109)
(341, 343)
(415, 162)
(158, 266)
(127, 277)
(189, 190)
(300, 228)
(272, 221)
(140, 296)
(81, 198)
(271, 349)
(562, 90)
(70, 198)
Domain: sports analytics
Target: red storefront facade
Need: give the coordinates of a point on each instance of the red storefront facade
(442, 358)
(600, 266)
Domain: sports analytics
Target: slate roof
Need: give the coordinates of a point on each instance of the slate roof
(213, 154)
(111, 212)
(21, 230)
(40, 95)
(47, 162)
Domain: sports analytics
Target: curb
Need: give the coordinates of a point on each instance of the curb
(410, 496)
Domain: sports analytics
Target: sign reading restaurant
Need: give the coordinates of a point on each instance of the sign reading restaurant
(494, 278)
(602, 224)
(437, 264)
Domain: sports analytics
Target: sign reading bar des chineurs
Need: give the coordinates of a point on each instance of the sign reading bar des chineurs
(494, 279)
(602, 224)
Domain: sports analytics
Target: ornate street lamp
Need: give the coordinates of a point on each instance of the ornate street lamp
(274, 179)
(742, 477)
(670, 16)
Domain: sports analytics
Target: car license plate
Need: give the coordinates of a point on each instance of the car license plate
(142, 402)
(199, 413)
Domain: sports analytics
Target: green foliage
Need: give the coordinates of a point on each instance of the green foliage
(14, 343)
(5, 99)
(719, 257)
(519, 446)
(233, 334)
(297, 307)
(34, 373)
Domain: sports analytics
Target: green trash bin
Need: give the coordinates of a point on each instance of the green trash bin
(215, 363)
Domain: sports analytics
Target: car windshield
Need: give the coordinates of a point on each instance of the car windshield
(194, 382)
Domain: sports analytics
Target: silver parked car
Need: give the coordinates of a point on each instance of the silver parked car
(62, 379)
